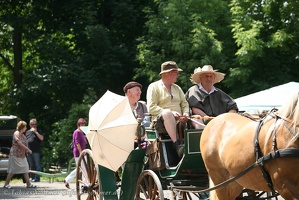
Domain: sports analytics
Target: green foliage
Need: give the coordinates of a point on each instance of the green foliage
(61, 136)
(180, 31)
(73, 51)
(266, 37)
(55, 54)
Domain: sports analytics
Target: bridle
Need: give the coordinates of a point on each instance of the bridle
(276, 153)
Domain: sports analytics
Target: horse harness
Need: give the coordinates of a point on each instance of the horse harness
(260, 158)
(276, 153)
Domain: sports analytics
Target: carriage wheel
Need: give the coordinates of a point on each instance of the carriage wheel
(87, 183)
(149, 186)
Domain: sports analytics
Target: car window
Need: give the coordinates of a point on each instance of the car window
(8, 124)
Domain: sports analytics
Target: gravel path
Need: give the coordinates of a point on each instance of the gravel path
(47, 191)
(44, 190)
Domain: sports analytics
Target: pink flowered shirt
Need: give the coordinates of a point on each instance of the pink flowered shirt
(15, 149)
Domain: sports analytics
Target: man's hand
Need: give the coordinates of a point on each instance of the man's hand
(176, 115)
(33, 130)
(186, 115)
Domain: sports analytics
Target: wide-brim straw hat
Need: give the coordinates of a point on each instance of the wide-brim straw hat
(169, 66)
(195, 78)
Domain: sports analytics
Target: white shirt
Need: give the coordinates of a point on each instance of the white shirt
(201, 88)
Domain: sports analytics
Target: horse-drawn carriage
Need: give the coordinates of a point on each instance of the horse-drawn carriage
(235, 151)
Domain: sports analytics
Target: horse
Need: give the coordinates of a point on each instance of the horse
(232, 142)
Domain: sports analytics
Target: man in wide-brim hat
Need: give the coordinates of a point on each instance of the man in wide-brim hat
(206, 100)
(166, 102)
(169, 66)
(207, 69)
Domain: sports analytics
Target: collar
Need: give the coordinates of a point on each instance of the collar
(135, 109)
(212, 90)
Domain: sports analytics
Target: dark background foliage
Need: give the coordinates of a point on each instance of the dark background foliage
(57, 58)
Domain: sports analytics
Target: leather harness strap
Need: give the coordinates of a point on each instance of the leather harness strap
(182, 125)
(259, 154)
(262, 159)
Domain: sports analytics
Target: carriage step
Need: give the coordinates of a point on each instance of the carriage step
(188, 188)
(184, 191)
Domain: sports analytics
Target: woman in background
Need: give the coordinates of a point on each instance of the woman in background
(79, 145)
(17, 162)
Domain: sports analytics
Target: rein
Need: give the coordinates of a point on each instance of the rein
(261, 159)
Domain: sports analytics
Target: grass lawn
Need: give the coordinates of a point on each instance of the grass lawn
(18, 178)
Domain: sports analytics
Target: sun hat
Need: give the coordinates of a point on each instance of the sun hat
(204, 70)
(131, 85)
(169, 66)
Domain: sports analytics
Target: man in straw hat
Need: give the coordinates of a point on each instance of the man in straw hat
(206, 100)
(166, 103)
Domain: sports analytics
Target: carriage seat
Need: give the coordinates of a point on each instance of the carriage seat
(169, 151)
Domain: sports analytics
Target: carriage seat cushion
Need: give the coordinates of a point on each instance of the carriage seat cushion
(160, 128)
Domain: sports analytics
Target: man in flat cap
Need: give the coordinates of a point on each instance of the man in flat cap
(166, 103)
(133, 91)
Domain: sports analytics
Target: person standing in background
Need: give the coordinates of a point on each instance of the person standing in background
(34, 138)
(79, 145)
(17, 163)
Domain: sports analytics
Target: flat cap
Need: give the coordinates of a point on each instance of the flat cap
(131, 85)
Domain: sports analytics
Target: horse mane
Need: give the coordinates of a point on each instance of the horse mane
(290, 110)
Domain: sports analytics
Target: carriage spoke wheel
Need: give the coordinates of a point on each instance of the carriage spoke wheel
(87, 182)
(149, 186)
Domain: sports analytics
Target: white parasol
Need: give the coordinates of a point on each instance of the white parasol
(111, 130)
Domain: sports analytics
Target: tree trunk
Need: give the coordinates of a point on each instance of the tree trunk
(17, 51)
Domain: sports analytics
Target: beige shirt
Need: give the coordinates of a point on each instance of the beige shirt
(158, 98)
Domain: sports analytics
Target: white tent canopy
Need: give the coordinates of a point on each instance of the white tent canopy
(265, 100)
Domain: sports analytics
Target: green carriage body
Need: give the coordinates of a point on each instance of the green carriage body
(188, 171)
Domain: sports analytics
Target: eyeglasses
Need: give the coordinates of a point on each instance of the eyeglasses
(33, 124)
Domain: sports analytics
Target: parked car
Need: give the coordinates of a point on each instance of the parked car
(8, 124)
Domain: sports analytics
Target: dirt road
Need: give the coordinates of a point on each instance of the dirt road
(44, 190)
(47, 191)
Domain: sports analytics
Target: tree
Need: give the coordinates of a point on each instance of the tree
(61, 136)
(70, 49)
(266, 33)
(188, 33)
